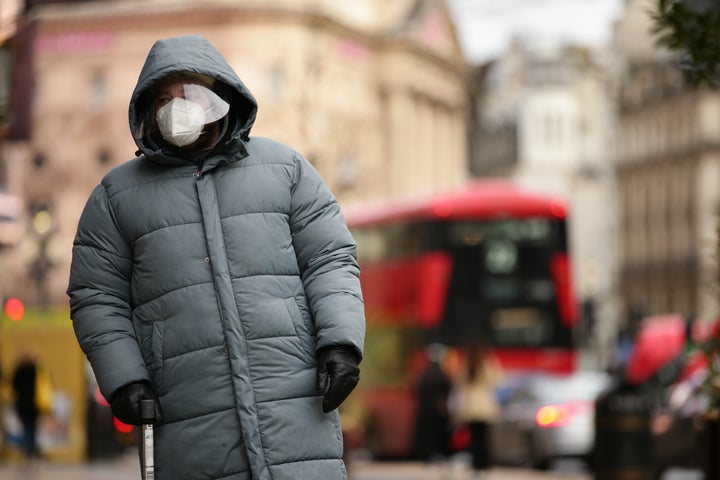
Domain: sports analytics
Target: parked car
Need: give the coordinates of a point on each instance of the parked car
(549, 417)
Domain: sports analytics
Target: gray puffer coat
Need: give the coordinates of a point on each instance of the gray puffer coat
(218, 284)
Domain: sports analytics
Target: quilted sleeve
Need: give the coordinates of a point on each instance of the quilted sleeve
(327, 257)
(100, 298)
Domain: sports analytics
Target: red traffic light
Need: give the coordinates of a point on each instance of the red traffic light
(14, 309)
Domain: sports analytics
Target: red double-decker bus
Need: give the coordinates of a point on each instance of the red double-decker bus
(488, 261)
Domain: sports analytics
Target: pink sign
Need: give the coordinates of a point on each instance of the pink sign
(74, 42)
(353, 51)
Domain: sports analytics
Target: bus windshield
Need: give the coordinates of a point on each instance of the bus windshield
(502, 285)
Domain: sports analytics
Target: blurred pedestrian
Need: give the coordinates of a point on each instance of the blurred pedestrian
(431, 439)
(477, 403)
(215, 275)
(24, 382)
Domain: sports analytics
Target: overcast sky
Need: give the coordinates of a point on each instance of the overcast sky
(485, 27)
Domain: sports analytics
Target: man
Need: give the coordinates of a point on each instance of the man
(215, 274)
(431, 441)
(24, 382)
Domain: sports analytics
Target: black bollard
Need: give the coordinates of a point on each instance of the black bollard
(712, 466)
(623, 442)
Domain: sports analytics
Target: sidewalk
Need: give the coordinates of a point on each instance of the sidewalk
(125, 467)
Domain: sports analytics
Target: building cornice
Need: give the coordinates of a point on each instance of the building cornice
(144, 14)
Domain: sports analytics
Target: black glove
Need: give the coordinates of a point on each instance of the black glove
(337, 374)
(125, 402)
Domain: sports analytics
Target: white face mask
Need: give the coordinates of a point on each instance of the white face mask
(180, 121)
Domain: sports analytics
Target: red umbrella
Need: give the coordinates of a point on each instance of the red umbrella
(660, 339)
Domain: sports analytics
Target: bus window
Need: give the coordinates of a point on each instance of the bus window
(520, 326)
(371, 245)
(531, 230)
(387, 242)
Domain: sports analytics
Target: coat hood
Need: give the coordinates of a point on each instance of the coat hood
(193, 54)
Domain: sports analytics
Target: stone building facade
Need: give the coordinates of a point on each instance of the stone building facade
(11, 228)
(373, 93)
(668, 169)
(667, 164)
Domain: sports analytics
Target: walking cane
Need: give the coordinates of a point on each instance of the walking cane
(147, 451)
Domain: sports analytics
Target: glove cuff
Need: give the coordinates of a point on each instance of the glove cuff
(345, 349)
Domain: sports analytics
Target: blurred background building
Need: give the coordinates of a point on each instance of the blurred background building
(668, 168)
(632, 148)
(10, 202)
(368, 91)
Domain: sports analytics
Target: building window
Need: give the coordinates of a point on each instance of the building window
(104, 157)
(5, 69)
(39, 161)
(3, 175)
(553, 126)
(276, 81)
(98, 89)
(347, 172)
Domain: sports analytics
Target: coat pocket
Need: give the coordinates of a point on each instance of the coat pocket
(271, 318)
(158, 342)
(295, 315)
(150, 339)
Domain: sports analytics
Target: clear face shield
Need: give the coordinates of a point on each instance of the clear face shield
(183, 110)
